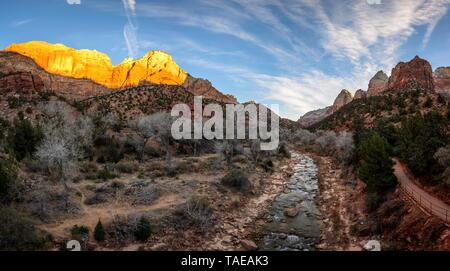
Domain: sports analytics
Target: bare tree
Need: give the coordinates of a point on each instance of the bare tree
(156, 125)
(326, 141)
(344, 147)
(65, 136)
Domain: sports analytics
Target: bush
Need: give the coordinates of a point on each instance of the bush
(236, 179)
(106, 174)
(199, 212)
(8, 175)
(99, 232)
(113, 152)
(126, 167)
(283, 151)
(268, 165)
(24, 138)
(143, 229)
(17, 232)
(79, 232)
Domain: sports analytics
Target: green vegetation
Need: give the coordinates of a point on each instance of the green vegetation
(143, 229)
(418, 139)
(17, 232)
(8, 175)
(23, 138)
(375, 165)
(99, 232)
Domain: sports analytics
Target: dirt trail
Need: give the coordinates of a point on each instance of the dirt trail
(426, 201)
(104, 212)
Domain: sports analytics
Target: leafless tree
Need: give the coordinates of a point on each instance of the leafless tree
(344, 147)
(156, 125)
(65, 136)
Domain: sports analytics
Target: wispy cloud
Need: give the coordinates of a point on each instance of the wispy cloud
(361, 37)
(21, 22)
(130, 29)
(74, 2)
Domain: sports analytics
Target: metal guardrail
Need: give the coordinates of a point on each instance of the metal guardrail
(438, 211)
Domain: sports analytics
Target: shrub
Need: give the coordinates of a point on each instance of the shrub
(143, 229)
(126, 167)
(113, 152)
(8, 175)
(17, 232)
(24, 138)
(106, 174)
(79, 232)
(236, 179)
(199, 212)
(283, 151)
(99, 232)
(268, 165)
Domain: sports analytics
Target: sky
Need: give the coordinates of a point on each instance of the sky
(296, 53)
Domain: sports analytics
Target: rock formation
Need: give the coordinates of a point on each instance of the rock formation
(342, 99)
(417, 72)
(155, 67)
(204, 88)
(39, 65)
(20, 74)
(359, 94)
(442, 81)
(315, 116)
(377, 84)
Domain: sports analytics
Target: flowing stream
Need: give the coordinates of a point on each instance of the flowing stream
(286, 229)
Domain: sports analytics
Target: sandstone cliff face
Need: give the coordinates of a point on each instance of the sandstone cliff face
(417, 72)
(20, 74)
(155, 67)
(442, 81)
(36, 66)
(342, 99)
(377, 84)
(360, 94)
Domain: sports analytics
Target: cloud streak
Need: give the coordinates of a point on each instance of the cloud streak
(130, 29)
(74, 2)
(361, 37)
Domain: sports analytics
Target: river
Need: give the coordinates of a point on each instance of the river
(287, 230)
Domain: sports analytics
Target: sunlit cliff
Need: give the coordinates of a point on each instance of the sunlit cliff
(155, 67)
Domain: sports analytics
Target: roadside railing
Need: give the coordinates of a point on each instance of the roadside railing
(428, 206)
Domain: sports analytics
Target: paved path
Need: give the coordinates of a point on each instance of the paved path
(431, 204)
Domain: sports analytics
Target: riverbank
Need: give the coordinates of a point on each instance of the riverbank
(341, 203)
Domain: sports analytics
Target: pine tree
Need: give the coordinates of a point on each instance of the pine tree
(375, 167)
(143, 229)
(99, 232)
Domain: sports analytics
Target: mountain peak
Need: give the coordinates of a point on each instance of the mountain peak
(155, 67)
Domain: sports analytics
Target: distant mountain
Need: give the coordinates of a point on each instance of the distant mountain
(415, 74)
(343, 98)
(156, 67)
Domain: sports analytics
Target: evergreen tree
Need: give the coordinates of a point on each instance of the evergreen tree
(23, 138)
(375, 166)
(143, 229)
(99, 232)
(419, 138)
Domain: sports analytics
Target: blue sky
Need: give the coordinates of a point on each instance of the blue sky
(295, 53)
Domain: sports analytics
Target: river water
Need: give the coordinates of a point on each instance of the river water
(302, 231)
